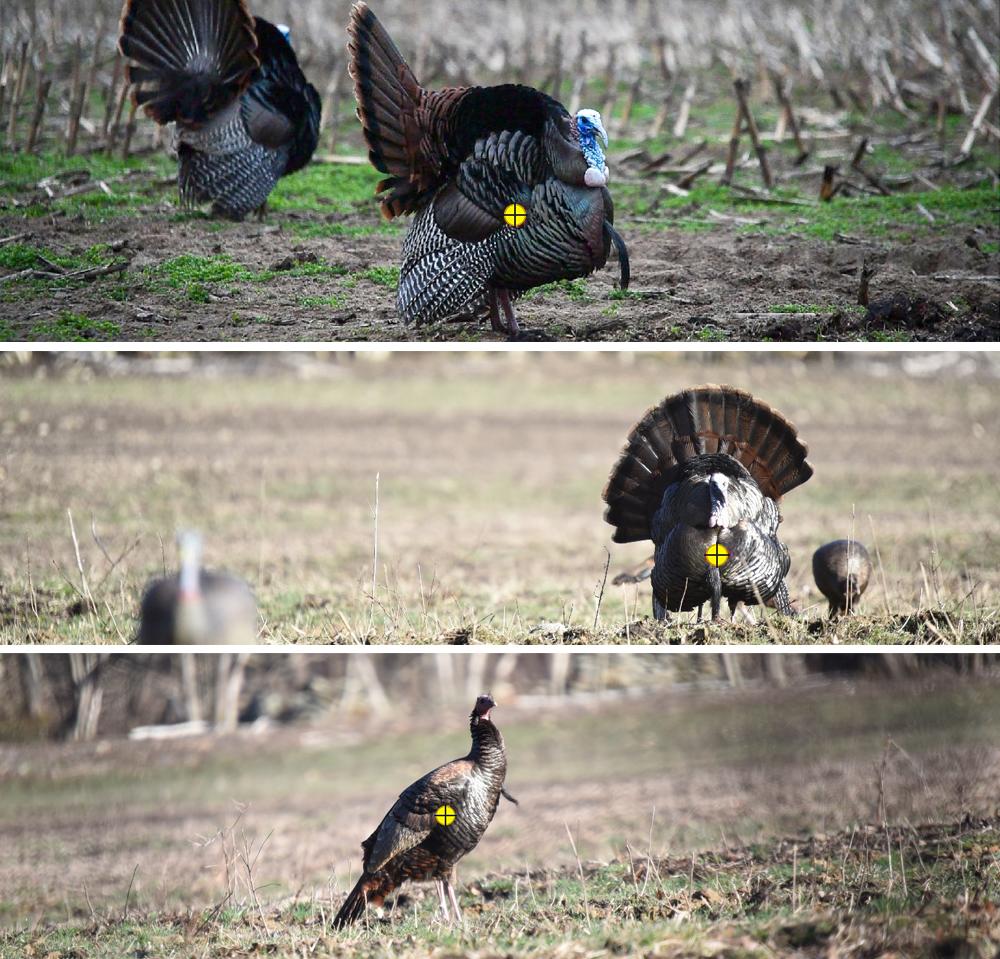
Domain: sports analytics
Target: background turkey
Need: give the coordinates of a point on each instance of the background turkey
(245, 114)
(458, 158)
(842, 570)
(410, 842)
(197, 605)
(643, 571)
(706, 468)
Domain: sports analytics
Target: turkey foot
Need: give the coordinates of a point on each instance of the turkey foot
(500, 300)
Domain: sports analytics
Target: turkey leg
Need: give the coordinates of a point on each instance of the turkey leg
(508, 312)
(495, 320)
(659, 610)
(440, 883)
(454, 900)
(715, 583)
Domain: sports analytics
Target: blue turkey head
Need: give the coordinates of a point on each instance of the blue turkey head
(286, 31)
(589, 127)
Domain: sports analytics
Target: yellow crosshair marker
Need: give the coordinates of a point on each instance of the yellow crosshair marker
(444, 815)
(716, 555)
(515, 215)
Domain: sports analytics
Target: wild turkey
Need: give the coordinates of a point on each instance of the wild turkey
(245, 115)
(842, 570)
(705, 469)
(643, 571)
(414, 841)
(197, 605)
(459, 158)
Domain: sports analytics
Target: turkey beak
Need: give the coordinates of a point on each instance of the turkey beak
(718, 514)
(598, 123)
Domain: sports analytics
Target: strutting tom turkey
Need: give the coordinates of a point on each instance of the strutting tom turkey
(411, 843)
(701, 475)
(244, 114)
(459, 158)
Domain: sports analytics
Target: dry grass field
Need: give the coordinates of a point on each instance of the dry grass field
(733, 824)
(490, 469)
(93, 245)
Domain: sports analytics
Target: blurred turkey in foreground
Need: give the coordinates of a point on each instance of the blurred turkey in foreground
(245, 115)
(705, 469)
(434, 823)
(842, 570)
(458, 158)
(197, 605)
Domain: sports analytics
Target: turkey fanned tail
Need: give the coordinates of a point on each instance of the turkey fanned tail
(190, 59)
(706, 468)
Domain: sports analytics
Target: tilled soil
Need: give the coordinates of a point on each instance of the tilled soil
(216, 795)
(723, 284)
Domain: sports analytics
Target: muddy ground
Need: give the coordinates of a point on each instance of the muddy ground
(687, 285)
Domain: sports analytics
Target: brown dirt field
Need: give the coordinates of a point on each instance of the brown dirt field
(690, 285)
(702, 770)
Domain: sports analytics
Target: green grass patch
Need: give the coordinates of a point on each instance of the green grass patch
(22, 256)
(180, 272)
(134, 183)
(22, 171)
(335, 301)
(575, 290)
(387, 276)
(330, 187)
(196, 276)
(709, 334)
(75, 327)
(802, 308)
(871, 216)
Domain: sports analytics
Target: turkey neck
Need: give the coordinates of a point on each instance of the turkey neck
(487, 747)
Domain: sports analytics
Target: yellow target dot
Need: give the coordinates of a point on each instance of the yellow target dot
(716, 555)
(444, 815)
(515, 215)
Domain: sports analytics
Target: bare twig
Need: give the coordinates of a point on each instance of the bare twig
(604, 581)
(684, 114)
(583, 879)
(128, 892)
(742, 89)
(85, 588)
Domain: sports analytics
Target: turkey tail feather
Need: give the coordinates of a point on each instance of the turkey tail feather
(189, 59)
(623, 264)
(368, 889)
(388, 96)
(704, 420)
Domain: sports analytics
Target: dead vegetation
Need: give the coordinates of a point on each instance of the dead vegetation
(849, 815)
(490, 469)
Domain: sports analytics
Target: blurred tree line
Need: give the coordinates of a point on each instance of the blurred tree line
(320, 363)
(86, 695)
